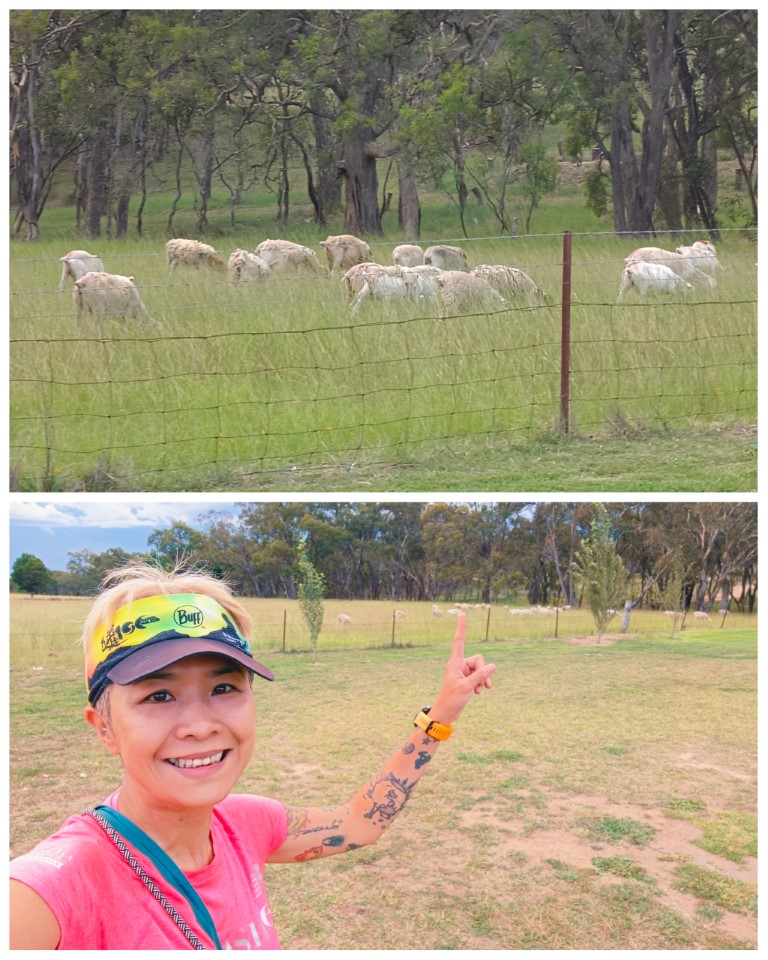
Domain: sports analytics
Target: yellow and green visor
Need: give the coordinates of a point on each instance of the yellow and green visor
(153, 632)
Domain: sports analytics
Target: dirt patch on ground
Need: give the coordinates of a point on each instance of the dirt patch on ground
(569, 843)
(590, 639)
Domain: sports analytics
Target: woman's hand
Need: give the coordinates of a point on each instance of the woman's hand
(463, 677)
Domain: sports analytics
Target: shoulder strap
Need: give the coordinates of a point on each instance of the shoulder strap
(146, 845)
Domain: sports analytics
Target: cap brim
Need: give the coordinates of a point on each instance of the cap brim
(152, 657)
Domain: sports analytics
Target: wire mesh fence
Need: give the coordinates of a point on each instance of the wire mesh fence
(250, 378)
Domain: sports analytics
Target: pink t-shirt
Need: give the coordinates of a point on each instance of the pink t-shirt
(101, 904)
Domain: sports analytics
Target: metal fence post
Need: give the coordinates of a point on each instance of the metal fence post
(565, 339)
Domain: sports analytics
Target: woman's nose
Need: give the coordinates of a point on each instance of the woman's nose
(196, 719)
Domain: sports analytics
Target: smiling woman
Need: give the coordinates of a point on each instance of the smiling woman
(169, 675)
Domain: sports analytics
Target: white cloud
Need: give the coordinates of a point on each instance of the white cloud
(110, 515)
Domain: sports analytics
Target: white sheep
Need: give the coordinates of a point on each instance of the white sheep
(344, 251)
(107, 294)
(458, 291)
(510, 282)
(703, 255)
(684, 267)
(650, 278)
(436, 611)
(283, 256)
(343, 619)
(244, 266)
(400, 614)
(192, 253)
(700, 615)
(354, 278)
(77, 263)
(392, 283)
(445, 257)
(407, 255)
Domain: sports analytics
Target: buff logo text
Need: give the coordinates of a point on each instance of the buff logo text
(187, 617)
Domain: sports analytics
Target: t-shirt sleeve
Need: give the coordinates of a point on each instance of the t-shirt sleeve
(260, 822)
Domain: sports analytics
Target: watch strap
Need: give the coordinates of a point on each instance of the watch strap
(438, 731)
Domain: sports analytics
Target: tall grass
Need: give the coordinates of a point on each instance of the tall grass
(260, 377)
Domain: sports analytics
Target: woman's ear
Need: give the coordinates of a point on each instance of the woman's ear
(95, 719)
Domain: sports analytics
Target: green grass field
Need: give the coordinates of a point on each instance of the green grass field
(599, 797)
(275, 386)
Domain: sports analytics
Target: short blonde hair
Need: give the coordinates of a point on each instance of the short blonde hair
(134, 581)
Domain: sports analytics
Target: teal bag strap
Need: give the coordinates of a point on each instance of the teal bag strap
(146, 845)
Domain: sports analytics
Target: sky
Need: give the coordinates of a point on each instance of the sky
(51, 530)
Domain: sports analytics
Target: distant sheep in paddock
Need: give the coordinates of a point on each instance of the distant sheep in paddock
(650, 278)
(243, 266)
(684, 267)
(76, 264)
(285, 257)
(446, 258)
(671, 613)
(354, 278)
(510, 282)
(107, 294)
(400, 614)
(192, 253)
(436, 611)
(407, 255)
(700, 615)
(393, 283)
(343, 619)
(458, 291)
(703, 255)
(345, 251)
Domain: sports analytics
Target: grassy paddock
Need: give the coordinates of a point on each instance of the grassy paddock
(230, 386)
(639, 755)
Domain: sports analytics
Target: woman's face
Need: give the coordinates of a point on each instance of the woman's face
(184, 734)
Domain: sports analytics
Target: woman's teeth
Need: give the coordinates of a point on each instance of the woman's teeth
(200, 762)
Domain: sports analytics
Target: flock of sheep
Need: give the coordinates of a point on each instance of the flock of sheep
(439, 276)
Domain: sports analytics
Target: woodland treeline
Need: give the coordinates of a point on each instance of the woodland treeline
(482, 552)
(369, 103)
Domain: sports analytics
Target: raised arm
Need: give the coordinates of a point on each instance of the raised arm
(315, 832)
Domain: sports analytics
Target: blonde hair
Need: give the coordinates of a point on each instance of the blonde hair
(135, 581)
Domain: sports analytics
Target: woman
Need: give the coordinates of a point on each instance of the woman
(173, 859)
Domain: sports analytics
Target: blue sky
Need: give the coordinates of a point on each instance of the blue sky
(51, 530)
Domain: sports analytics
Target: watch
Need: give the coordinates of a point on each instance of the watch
(438, 731)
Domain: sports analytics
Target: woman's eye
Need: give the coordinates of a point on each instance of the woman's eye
(224, 688)
(160, 696)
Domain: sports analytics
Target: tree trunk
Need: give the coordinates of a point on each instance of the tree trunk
(408, 206)
(327, 182)
(94, 209)
(361, 212)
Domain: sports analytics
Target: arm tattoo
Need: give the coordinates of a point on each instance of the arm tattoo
(389, 795)
(408, 748)
(424, 757)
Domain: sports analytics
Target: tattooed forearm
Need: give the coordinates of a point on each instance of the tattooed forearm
(424, 757)
(388, 794)
(408, 747)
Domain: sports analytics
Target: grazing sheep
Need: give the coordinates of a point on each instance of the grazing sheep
(243, 266)
(650, 278)
(344, 251)
(446, 258)
(703, 255)
(458, 291)
(436, 611)
(192, 253)
(107, 294)
(700, 615)
(354, 278)
(684, 267)
(343, 619)
(77, 263)
(391, 283)
(400, 614)
(510, 282)
(671, 613)
(282, 256)
(408, 255)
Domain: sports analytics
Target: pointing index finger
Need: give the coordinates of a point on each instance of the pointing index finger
(457, 650)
